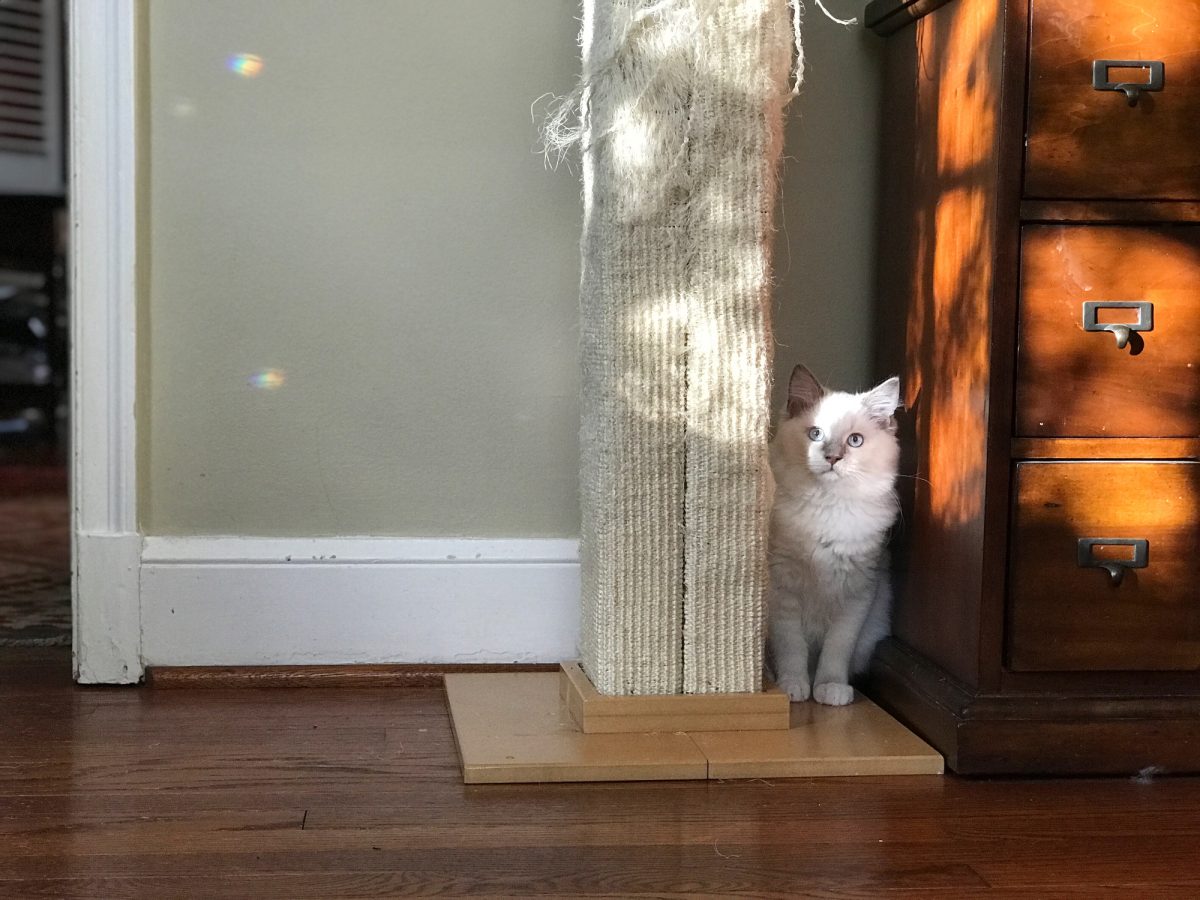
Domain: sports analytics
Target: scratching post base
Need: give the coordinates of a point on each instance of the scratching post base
(596, 713)
(519, 728)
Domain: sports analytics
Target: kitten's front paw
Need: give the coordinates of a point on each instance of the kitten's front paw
(833, 694)
(798, 689)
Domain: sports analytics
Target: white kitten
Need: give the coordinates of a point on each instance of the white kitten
(834, 461)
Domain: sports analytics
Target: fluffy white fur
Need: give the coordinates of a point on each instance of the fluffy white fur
(834, 461)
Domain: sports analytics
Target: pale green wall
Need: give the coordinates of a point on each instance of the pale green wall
(366, 216)
(825, 252)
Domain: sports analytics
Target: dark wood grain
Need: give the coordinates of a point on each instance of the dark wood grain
(321, 793)
(1121, 212)
(1065, 617)
(1085, 143)
(1106, 448)
(1045, 723)
(953, 282)
(1013, 47)
(1149, 389)
(393, 675)
(944, 266)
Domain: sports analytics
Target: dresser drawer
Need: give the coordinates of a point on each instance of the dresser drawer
(1086, 143)
(1073, 379)
(1067, 612)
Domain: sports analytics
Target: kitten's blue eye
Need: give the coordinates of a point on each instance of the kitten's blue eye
(815, 434)
(855, 440)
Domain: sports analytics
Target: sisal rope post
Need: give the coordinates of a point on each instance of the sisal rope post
(680, 109)
(740, 90)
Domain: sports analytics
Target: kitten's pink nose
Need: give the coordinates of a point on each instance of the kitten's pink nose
(832, 460)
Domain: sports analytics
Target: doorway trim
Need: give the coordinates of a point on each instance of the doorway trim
(102, 54)
(238, 599)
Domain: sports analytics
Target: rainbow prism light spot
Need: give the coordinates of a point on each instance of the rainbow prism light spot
(247, 65)
(267, 379)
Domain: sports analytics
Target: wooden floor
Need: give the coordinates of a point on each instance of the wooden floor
(298, 793)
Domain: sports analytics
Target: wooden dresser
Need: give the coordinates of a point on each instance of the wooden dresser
(1040, 295)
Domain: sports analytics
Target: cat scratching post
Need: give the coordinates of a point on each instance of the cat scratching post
(680, 105)
(683, 113)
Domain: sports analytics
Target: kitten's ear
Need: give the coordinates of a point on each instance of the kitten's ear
(803, 391)
(883, 400)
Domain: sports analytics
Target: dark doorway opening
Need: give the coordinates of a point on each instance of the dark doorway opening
(35, 574)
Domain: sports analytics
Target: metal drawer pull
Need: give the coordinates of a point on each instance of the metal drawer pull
(1131, 89)
(1145, 318)
(1115, 567)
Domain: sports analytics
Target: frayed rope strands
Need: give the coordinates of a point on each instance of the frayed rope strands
(562, 126)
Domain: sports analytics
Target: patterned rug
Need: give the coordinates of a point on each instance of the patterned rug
(35, 559)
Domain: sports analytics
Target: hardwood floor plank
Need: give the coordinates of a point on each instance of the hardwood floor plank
(420, 884)
(288, 886)
(534, 871)
(321, 792)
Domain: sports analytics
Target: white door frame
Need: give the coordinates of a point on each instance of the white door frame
(102, 98)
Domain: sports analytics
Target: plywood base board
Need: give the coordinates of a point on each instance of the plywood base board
(597, 713)
(515, 728)
(859, 739)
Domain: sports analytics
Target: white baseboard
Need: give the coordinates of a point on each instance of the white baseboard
(310, 601)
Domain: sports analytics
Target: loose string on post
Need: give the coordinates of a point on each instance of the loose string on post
(797, 16)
